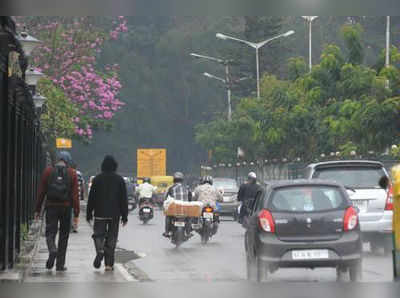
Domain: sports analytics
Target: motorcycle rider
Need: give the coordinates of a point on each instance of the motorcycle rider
(145, 191)
(178, 191)
(207, 193)
(247, 194)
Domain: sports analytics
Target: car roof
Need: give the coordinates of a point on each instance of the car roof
(303, 182)
(346, 163)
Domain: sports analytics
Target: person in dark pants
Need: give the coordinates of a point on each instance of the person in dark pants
(109, 202)
(59, 184)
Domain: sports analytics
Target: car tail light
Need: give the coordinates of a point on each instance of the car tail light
(266, 221)
(389, 200)
(350, 219)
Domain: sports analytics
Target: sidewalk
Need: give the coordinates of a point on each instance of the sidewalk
(79, 260)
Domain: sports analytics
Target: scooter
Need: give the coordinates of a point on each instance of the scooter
(146, 210)
(209, 224)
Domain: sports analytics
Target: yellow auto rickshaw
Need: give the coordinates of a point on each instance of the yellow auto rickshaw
(162, 183)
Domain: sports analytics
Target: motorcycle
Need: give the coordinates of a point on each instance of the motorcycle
(209, 224)
(181, 230)
(132, 203)
(146, 210)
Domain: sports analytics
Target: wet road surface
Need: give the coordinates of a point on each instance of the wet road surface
(222, 259)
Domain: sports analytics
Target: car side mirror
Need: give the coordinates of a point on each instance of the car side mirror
(384, 182)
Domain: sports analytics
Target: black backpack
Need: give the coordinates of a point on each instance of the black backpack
(58, 189)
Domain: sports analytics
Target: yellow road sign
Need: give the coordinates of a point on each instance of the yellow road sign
(62, 143)
(151, 162)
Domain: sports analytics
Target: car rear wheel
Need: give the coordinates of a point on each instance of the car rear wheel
(262, 270)
(388, 246)
(341, 273)
(355, 271)
(251, 268)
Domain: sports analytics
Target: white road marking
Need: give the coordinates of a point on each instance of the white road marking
(124, 272)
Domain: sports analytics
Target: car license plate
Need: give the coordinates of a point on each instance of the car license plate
(208, 215)
(227, 199)
(362, 205)
(314, 254)
(179, 224)
(146, 210)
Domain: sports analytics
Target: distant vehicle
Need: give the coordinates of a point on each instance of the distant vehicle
(374, 203)
(90, 183)
(303, 224)
(162, 183)
(229, 189)
(81, 185)
(151, 162)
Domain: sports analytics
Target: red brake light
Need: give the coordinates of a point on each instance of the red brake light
(389, 199)
(266, 221)
(350, 219)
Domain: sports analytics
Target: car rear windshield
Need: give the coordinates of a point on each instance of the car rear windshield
(306, 199)
(355, 177)
(226, 184)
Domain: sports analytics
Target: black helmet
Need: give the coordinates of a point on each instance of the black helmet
(178, 177)
(206, 179)
(146, 180)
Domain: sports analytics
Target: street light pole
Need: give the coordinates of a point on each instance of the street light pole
(228, 88)
(256, 46)
(387, 62)
(227, 80)
(310, 19)
(258, 73)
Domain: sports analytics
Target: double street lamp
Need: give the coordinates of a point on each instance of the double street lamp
(256, 46)
(227, 81)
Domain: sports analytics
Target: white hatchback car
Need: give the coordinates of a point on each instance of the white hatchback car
(375, 205)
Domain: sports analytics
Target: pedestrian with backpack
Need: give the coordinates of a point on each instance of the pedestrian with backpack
(59, 186)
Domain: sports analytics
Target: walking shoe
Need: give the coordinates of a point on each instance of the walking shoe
(166, 235)
(61, 269)
(51, 260)
(97, 261)
(109, 268)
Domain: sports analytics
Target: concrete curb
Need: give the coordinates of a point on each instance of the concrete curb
(24, 263)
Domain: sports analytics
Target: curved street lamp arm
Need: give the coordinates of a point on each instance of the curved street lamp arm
(263, 43)
(224, 36)
(207, 57)
(208, 75)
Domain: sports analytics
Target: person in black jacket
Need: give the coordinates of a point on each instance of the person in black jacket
(109, 202)
(247, 194)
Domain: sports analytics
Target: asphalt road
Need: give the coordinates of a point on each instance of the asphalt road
(222, 259)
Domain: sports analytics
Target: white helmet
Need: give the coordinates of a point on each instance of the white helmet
(252, 176)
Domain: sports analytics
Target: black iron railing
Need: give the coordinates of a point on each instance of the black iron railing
(22, 158)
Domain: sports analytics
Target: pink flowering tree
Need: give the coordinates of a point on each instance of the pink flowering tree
(68, 57)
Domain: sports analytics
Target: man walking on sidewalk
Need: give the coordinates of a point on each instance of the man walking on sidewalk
(109, 201)
(59, 184)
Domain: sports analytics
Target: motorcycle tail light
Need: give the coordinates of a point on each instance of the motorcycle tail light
(208, 209)
(266, 221)
(350, 219)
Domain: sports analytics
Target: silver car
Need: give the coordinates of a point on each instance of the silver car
(229, 189)
(375, 206)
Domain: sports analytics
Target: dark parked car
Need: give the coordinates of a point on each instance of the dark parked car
(229, 189)
(374, 203)
(303, 224)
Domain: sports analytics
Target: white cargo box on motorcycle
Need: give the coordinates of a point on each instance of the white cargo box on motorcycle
(178, 208)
